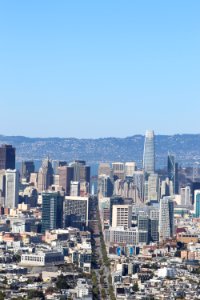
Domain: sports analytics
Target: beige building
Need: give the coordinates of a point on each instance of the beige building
(121, 216)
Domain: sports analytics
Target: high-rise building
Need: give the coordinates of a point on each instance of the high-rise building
(52, 211)
(12, 189)
(7, 157)
(172, 168)
(121, 216)
(75, 188)
(186, 196)
(105, 186)
(197, 203)
(149, 152)
(2, 187)
(154, 225)
(45, 176)
(138, 180)
(166, 218)
(104, 169)
(118, 170)
(81, 171)
(153, 187)
(28, 167)
(66, 175)
(76, 212)
(130, 168)
(167, 188)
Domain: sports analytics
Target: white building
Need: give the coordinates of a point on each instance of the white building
(119, 235)
(130, 168)
(75, 188)
(42, 259)
(121, 215)
(186, 196)
(12, 189)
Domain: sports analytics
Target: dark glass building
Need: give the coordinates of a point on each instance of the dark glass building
(28, 167)
(172, 168)
(52, 211)
(7, 157)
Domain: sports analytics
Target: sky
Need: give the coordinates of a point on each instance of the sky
(91, 69)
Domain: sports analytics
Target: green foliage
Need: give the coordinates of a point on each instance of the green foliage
(2, 295)
(135, 287)
(35, 294)
(61, 283)
(103, 294)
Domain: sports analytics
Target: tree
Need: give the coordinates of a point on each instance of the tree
(35, 294)
(2, 296)
(61, 283)
(135, 287)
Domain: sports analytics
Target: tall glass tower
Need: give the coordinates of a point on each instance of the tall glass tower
(149, 153)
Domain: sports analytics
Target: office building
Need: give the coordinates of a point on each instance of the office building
(7, 157)
(154, 225)
(138, 181)
(66, 175)
(121, 236)
(52, 211)
(28, 167)
(130, 168)
(185, 196)
(75, 188)
(84, 188)
(153, 187)
(45, 176)
(121, 216)
(197, 203)
(11, 189)
(104, 169)
(118, 170)
(105, 186)
(167, 188)
(76, 212)
(166, 218)
(172, 168)
(2, 187)
(81, 171)
(149, 153)
(41, 259)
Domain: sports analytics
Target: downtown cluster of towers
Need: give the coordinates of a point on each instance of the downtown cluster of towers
(65, 188)
(58, 191)
(138, 203)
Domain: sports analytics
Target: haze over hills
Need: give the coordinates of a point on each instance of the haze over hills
(186, 147)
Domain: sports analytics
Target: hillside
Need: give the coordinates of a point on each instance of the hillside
(186, 147)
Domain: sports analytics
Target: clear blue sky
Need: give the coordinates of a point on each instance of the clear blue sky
(99, 68)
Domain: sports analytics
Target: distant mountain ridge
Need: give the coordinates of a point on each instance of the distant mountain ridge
(186, 147)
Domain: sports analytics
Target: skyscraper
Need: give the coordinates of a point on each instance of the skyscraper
(118, 170)
(76, 212)
(105, 186)
(149, 153)
(12, 188)
(52, 211)
(172, 168)
(81, 171)
(185, 196)
(28, 167)
(130, 168)
(197, 203)
(7, 157)
(66, 175)
(45, 176)
(166, 218)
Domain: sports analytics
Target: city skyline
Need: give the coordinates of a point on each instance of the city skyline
(74, 69)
